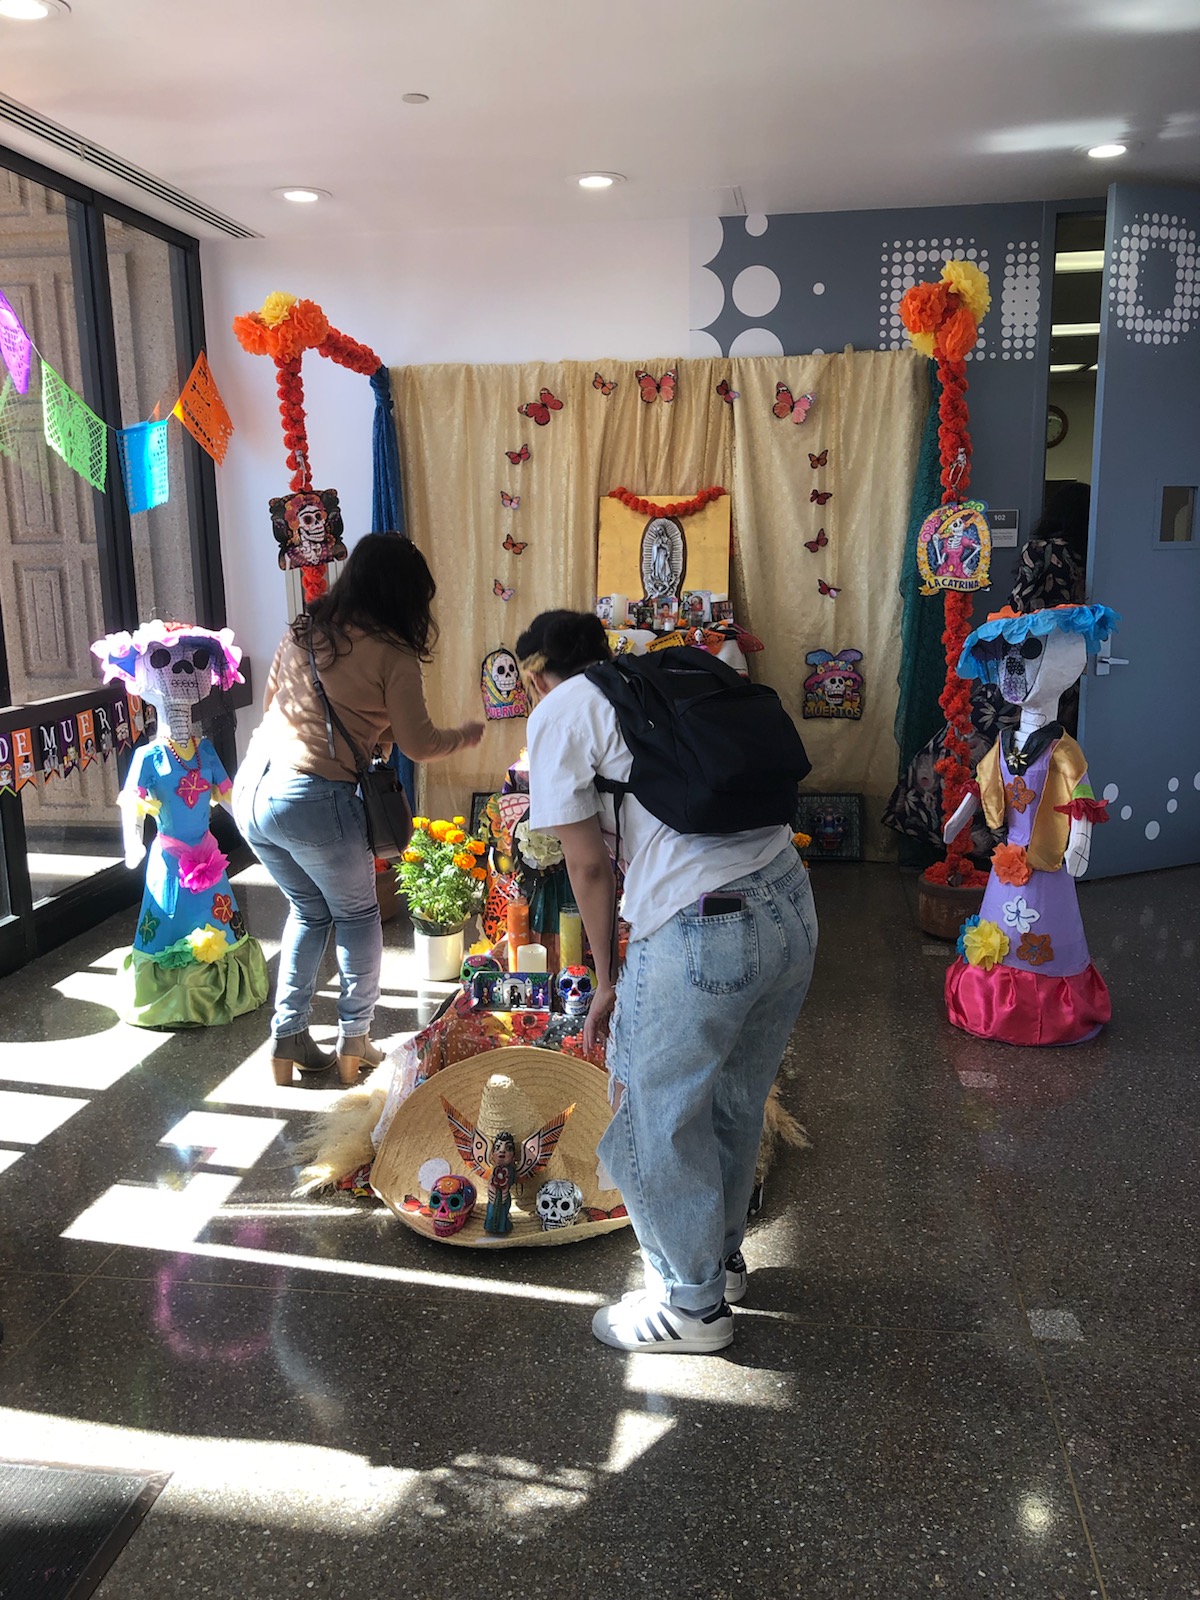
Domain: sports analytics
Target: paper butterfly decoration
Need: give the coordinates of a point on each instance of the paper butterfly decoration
(653, 389)
(727, 394)
(597, 1214)
(821, 497)
(827, 589)
(499, 589)
(510, 502)
(818, 461)
(605, 387)
(539, 410)
(818, 543)
(517, 456)
(516, 546)
(785, 406)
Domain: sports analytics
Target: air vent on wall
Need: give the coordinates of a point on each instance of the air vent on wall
(94, 155)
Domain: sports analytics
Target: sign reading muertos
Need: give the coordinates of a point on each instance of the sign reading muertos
(308, 528)
(500, 686)
(834, 688)
(954, 548)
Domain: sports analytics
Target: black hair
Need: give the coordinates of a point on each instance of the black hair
(564, 643)
(385, 589)
(1065, 517)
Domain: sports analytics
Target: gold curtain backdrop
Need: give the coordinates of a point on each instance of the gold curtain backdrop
(457, 422)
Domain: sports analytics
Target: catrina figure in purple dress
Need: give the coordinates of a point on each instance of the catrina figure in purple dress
(1023, 973)
(192, 962)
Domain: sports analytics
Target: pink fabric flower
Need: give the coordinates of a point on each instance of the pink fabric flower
(201, 865)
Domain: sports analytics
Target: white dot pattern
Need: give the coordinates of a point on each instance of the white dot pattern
(1020, 296)
(908, 261)
(1150, 232)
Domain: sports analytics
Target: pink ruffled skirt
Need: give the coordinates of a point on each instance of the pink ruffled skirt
(1030, 1008)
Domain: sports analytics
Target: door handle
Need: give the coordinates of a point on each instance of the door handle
(1105, 661)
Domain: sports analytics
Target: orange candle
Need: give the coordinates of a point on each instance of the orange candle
(518, 929)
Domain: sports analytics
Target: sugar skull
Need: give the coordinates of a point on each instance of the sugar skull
(834, 687)
(559, 1203)
(473, 964)
(172, 666)
(452, 1200)
(500, 685)
(576, 986)
(308, 528)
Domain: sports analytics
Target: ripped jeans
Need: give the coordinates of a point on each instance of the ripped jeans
(705, 1007)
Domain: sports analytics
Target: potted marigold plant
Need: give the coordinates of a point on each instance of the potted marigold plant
(443, 878)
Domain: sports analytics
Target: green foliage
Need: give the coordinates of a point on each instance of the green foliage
(437, 875)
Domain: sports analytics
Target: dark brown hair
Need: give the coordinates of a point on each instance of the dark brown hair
(385, 590)
(563, 643)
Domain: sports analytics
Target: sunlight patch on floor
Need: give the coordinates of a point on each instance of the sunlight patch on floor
(230, 1140)
(28, 1118)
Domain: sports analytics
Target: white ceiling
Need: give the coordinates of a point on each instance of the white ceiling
(795, 105)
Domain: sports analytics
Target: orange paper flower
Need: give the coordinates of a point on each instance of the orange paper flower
(1019, 794)
(1010, 864)
(1035, 948)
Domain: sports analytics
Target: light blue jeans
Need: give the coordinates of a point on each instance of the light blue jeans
(311, 835)
(704, 1010)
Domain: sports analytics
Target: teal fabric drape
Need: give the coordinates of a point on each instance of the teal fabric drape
(922, 656)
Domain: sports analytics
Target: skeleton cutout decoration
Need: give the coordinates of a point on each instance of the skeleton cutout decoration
(189, 917)
(308, 528)
(451, 1202)
(576, 987)
(954, 548)
(663, 558)
(559, 1203)
(500, 686)
(834, 687)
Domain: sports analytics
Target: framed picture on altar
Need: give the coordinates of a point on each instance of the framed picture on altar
(478, 821)
(834, 823)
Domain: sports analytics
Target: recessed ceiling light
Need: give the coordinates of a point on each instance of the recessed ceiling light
(1073, 330)
(414, 99)
(598, 180)
(1105, 152)
(33, 10)
(297, 195)
(1079, 261)
(1066, 366)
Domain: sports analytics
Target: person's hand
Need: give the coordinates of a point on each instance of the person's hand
(470, 733)
(596, 1026)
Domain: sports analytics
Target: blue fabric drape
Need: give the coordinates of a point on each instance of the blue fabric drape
(387, 500)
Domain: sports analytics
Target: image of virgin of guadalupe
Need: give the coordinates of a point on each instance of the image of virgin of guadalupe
(663, 559)
(308, 528)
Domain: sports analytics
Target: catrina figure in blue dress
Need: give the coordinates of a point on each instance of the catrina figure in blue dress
(192, 963)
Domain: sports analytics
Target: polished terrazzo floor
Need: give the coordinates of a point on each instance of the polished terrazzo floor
(967, 1364)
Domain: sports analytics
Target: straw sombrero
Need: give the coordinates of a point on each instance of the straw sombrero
(518, 1090)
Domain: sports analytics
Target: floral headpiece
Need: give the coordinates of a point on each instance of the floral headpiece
(120, 653)
(1094, 623)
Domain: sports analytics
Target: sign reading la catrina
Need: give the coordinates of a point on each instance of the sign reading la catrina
(954, 548)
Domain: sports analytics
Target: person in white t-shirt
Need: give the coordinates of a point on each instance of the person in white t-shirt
(722, 940)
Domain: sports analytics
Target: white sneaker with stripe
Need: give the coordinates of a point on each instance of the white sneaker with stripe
(646, 1324)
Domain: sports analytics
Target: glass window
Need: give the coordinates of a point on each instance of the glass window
(146, 278)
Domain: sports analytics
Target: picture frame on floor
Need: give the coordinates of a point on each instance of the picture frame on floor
(835, 824)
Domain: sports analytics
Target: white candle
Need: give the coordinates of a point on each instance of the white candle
(620, 610)
(531, 958)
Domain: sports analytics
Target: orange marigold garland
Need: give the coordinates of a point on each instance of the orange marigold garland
(677, 508)
(284, 327)
(943, 323)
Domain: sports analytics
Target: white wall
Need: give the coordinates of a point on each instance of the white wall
(482, 295)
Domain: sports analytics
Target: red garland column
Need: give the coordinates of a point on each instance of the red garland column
(954, 442)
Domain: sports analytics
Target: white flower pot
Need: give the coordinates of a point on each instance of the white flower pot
(439, 956)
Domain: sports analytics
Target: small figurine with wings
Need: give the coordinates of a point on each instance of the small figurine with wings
(496, 1160)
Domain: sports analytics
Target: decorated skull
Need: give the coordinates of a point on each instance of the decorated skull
(576, 986)
(452, 1200)
(500, 684)
(559, 1202)
(475, 964)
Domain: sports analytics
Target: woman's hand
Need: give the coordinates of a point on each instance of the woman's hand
(599, 1017)
(470, 733)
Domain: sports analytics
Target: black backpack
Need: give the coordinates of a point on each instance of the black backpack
(712, 752)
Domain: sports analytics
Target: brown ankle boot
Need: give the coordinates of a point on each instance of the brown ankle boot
(355, 1052)
(299, 1050)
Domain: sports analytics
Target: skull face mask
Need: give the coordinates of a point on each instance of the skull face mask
(452, 1200)
(559, 1202)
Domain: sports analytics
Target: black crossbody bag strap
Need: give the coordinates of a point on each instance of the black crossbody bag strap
(332, 720)
(618, 792)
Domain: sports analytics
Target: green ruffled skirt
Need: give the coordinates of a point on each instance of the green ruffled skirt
(201, 994)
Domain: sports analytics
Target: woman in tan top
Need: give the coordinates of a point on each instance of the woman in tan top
(296, 800)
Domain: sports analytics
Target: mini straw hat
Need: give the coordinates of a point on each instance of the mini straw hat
(516, 1090)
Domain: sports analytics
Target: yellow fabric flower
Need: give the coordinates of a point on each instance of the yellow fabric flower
(970, 285)
(276, 308)
(464, 862)
(985, 944)
(208, 943)
(922, 342)
(147, 805)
